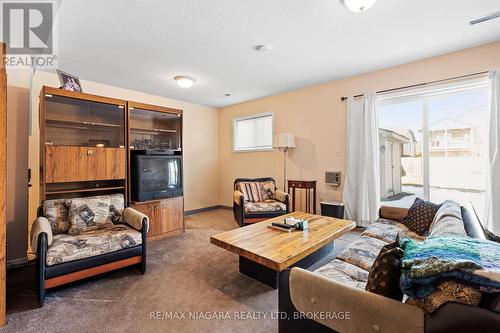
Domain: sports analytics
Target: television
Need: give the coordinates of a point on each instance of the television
(156, 177)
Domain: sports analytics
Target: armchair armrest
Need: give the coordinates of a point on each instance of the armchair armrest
(40, 226)
(135, 219)
(238, 197)
(364, 311)
(281, 196)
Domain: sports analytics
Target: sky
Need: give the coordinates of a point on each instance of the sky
(410, 114)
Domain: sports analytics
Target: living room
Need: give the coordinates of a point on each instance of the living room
(250, 166)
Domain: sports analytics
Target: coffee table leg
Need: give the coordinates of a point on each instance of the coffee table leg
(259, 272)
(269, 276)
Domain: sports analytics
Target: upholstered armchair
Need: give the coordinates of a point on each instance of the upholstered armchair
(70, 245)
(258, 199)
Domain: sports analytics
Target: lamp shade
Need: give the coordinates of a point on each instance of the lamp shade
(284, 140)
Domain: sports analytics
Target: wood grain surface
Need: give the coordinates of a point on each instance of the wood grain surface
(277, 249)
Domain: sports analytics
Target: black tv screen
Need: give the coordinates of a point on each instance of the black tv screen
(156, 177)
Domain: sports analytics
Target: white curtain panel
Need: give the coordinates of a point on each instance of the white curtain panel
(492, 207)
(362, 184)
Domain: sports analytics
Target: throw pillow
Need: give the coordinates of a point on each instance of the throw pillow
(420, 216)
(251, 191)
(447, 291)
(267, 189)
(57, 213)
(385, 273)
(88, 214)
(116, 207)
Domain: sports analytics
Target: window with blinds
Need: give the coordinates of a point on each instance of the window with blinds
(253, 133)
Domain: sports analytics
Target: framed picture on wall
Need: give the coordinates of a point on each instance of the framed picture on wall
(69, 82)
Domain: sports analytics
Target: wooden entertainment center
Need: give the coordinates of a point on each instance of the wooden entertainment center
(86, 147)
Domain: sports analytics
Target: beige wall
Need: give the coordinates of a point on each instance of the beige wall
(318, 119)
(200, 141)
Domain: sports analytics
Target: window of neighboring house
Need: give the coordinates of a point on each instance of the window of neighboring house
(434, 144)
(253, 133)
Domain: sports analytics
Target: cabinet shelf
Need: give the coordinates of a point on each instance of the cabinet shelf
(151, 130)
(62, 122)
(96, 189)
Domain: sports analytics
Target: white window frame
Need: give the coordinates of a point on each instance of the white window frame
(248, 117)
(424, 95)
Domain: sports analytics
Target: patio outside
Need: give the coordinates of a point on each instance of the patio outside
(456, 149)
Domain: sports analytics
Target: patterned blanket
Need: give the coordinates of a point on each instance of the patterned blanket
(468, 260)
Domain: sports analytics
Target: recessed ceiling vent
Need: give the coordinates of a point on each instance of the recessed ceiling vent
(485, 18)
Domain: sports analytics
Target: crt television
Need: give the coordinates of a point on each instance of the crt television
(156, 177)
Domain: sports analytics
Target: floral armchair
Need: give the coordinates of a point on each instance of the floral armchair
(258, 199)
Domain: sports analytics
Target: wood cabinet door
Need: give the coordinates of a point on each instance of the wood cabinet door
(140, 207)
(155, 223)
(66, 164)
(106, 163)
(172, 212)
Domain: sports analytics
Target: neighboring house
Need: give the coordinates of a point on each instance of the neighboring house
(453, 138)
(391, 151)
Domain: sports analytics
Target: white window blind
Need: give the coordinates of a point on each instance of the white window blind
(253, 133)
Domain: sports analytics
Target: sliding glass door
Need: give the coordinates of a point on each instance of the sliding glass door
(433, 144)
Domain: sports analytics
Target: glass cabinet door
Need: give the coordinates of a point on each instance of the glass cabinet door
(152, 130)
(107, 122)
(65, 121)
(75, 122)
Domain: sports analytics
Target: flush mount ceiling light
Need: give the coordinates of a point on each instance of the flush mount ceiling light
(185, 81)
(263, 48)
(358, 6)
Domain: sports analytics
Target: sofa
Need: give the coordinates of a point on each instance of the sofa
(66, 253)
(271, 202)
(339, 286)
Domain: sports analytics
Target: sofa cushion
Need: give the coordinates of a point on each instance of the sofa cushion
(448, 208)
(66, 247)
(388, 230)
(362, 252)
(344, 272)
(447, 291)
(448, 226)
(57, 213)
(87, 214)
(385, 273)
(267, 190)
(420, 216)
(251, 191)
(116, 207)
(268, 206)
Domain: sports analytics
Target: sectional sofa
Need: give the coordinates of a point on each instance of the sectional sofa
(339, 286)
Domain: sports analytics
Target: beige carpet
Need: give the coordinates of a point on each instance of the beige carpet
(185, 274)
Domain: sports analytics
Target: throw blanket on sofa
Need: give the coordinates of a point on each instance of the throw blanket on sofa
(468, 260)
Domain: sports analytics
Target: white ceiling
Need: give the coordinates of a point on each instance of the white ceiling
(142, 45)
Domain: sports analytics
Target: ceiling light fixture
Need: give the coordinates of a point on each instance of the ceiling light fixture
(263, 48)
(358, 6)
(185, 81)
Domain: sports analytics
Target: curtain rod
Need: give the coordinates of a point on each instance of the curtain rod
(343, 98)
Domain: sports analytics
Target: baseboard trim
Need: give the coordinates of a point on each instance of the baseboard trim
(205, 209)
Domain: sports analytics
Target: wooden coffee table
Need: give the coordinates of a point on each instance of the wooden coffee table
(264, 252)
